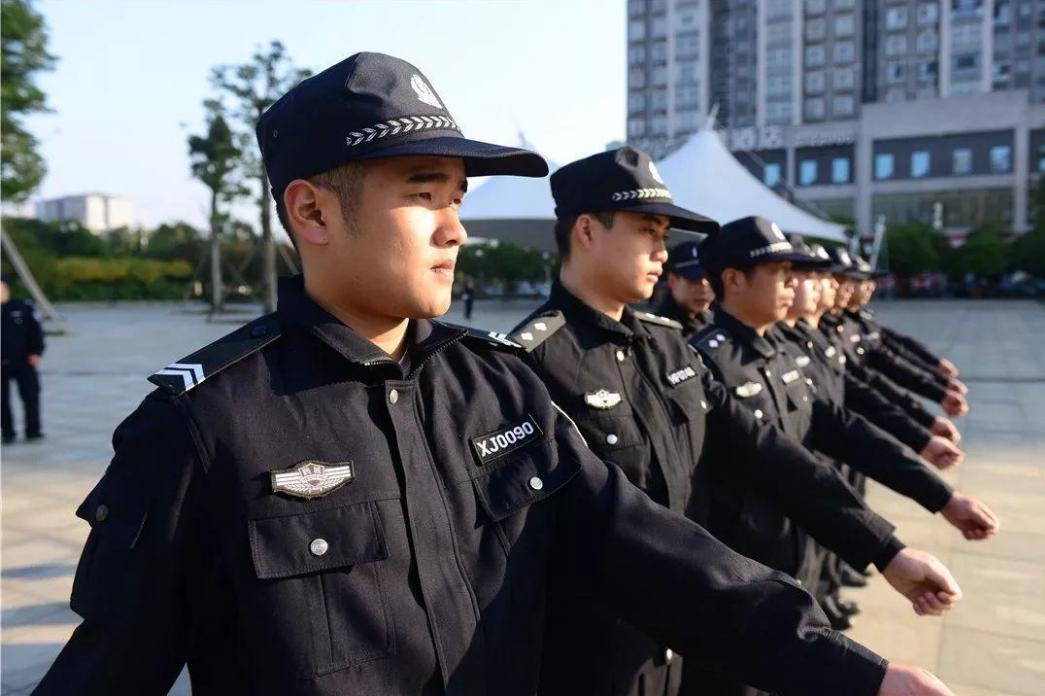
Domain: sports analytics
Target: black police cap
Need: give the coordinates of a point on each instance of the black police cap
(843, 262)
(747, 242)
(684, 260)
(372, 106)
(624, 179)
(814, 260)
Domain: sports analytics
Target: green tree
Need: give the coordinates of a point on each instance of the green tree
(985, 254)
(913, 249)
(24, 39)
(255, 86)
(214, 160)
(1028, 252)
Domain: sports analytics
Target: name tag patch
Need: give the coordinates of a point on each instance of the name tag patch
(506, 439)
(679, 376)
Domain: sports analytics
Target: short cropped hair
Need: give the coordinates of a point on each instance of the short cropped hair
(564, 227)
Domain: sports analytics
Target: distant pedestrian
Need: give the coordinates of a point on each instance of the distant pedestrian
(468, 297)
(23, 344)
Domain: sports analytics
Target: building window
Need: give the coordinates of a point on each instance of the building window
(815, 82)
(658, 125)
(966, 8)
(807, 172)
(778, 85)
(687, 45)
(687, 17)
(687, 72)
(778, 58)
(660, 76)
(659, 99)
(896, 18)
(844, 78)
(687, 95)
(927, 71)
(814, 108)
(636, 78)
(840, 170)
(815, 6)
(961, 160)
(919, 164)
(778, 112)
(896, 73)
(896, 45)
(816, 29)
(1002, 13)
(926, 41)
(771, 175)
(658, 6)
(659, 27)
(1001, 159)
(636, 102)
(845, 52)
(966, 62)
(636, 128)
(687, 121)
(928, 13)
(966, 35)
(883, 166)
(845, 4)
(844, 25)
(636, 55)
(636, 30)
(814, 55)
(636, 7)
(659, 51)
(843, 105)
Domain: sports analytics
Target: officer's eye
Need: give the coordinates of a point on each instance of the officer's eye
(424, 196)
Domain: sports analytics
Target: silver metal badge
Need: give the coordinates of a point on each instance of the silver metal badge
(749, 389)
(791, 376)
(312, 479)
(802, 360)
(602, 399)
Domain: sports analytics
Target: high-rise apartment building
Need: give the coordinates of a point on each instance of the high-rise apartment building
(916, 110)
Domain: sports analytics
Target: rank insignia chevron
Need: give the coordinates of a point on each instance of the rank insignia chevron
(404, 124)
(636, 194)
(190, 373)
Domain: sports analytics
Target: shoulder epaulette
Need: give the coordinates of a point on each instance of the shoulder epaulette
(659, 320)
(534, 332)
(495, 339)
(711, 338)
(189, 372)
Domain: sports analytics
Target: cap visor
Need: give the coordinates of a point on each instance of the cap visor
(693, 271)
(480, 159)
(812, 264)
(681, 219)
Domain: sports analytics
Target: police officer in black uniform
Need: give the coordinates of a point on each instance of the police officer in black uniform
(643, 401)
(749, 263)
(22, 339)
(689, 297)
(345, 496)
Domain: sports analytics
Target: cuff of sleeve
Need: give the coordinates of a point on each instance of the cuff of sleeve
(919, 439)
(884, 557)
(938, 497)
(866, 670)
(935, 392)
(923, 417)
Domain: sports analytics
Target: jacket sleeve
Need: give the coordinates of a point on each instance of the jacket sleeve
(862, 399)
(806, 489)
(668, 576)
(905, 374)
(895, 338)
(130, 585)
(848, 437)
(895, 394)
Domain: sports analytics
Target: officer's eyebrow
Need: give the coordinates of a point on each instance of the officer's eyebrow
(423, 177)
(657, 222)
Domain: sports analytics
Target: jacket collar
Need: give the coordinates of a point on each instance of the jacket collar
(425, 337)
(577, 312)
(743, 334)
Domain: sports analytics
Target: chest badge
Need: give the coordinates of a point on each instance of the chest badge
(791, 376)
(802, 360)
(312, 479)
(679, 376)
(602, 399)
(748, 389)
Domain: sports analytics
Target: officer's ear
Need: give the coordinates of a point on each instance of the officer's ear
(306, 207)
(733, 280)
(584, 231)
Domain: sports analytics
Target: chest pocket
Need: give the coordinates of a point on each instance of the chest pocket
(508, 487)
(615, 436)
(321, 569)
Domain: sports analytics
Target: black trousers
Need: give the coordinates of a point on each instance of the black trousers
(27, 380)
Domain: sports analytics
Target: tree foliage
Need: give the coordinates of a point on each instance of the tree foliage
(24, 53)
(913, 249)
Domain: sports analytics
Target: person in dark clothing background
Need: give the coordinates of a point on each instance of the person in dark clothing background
(23, 345)
(689, 297)
(468, 297)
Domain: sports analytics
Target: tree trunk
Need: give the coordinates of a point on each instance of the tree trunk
(216, 294)
(268, 267)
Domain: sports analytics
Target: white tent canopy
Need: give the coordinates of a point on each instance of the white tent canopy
(704, 176)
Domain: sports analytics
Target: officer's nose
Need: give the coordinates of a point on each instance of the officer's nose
(450, 231)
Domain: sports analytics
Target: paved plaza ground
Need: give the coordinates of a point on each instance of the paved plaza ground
(993, 643)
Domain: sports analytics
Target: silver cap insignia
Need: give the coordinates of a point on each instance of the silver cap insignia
(602, 399)
(311, 479)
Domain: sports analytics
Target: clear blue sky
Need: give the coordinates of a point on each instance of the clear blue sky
(131, 76)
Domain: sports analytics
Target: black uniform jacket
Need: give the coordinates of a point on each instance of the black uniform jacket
(644, 401)
(868, 350)
(769, 382)
(20, 333)
(691, 323)
(445, 500)
(824, 366)
(906, 347)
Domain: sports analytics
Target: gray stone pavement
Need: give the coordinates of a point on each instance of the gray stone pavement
(993, 643)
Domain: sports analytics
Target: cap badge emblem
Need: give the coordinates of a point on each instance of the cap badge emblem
(311, 479)
(654, 173)
(602, 399)
(424, 92)
(775, 228)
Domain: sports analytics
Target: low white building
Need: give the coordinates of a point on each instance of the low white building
(96, 211)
